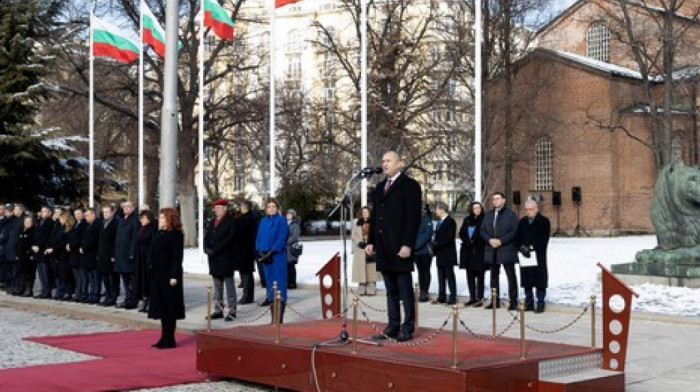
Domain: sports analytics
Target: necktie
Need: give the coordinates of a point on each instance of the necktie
(388, 185)
(495, 220)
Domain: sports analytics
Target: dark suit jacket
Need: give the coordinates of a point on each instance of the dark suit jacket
(218, 243)
(244, 244)
(506, 230)
(42, 233)
(105, 252)
(16, 226)
(126, 244)
(90, 244)
(537, 236)
(395, 222)
(75, 237)
(444, 245)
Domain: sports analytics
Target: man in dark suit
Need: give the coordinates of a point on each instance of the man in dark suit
(3, 240)
(393, 231)
(499, 230)
(533, 236)
(88, 261)
(125, 247)
(446, 254)
(244, 250)
(41, 241)
(75, 237)
(218, 245)
(106, 254)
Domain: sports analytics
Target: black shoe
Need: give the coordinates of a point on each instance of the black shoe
(540, 308)
(529, 307)
(120, 305)
(230, 316)
(27, 294)
(469, 303)
(386, 333)
(216, 315)
(404, 336)
(110, 302)
(423, 298)
(245, 302)
(166, 345)
(157, 344)
(513, 306)
(437, 301)
(266, 302)
(292, 286)
(479, 303)
(451, 301)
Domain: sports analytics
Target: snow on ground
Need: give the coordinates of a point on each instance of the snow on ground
(573, 273)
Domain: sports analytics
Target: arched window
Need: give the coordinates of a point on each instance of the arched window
(598, 42)
(544, 156)
(677, 149)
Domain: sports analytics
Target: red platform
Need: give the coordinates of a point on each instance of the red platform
(249, 353)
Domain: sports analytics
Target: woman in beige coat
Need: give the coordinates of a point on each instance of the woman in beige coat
(364, 271)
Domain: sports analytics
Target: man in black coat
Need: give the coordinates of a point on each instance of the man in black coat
(4, 233)
(125, 248)
(244, 250)
(393, 231)
(499, 230)
(106, 254)
(218, 245)
(11, 252)
(75, 237)
(533, 237)
(445, 249)
(88, 261)
(41, 240)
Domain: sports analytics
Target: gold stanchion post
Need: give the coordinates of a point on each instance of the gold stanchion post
(455, 315)
(355, 304)
(494, 301)
(415, 311)
(209, 307)
(593, 344)
(278, 300)
(521, 310)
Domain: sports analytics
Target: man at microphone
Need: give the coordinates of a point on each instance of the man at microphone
(393, 230)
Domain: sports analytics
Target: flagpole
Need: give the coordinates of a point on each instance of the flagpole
(200, 178)
(363, 97)
(91, 196)
(141, 182)
(478, 73)
(272, 101)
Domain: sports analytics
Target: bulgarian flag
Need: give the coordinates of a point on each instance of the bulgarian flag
(109, 41)
(282, 3)
(216, 17)
(153, 33)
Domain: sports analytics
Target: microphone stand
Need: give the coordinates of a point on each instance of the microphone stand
(345, 205)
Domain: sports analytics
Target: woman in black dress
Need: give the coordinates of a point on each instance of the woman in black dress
(147, 232)
(167, 300)
(472, 253)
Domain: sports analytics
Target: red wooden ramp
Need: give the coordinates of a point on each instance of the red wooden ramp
(249, 353)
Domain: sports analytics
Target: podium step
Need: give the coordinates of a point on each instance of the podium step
(597, 380)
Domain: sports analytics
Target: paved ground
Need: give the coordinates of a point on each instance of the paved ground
(663, 354)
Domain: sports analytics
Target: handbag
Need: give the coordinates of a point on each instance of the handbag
(296, 249)
(266, 257)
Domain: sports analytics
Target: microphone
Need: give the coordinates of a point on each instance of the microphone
(369, 172)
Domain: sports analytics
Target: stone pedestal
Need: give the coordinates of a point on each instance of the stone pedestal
(674, 275)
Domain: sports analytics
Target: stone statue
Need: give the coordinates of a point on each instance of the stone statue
(675, 214)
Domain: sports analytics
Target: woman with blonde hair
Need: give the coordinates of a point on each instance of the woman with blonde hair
(57, 255)
(364, 270)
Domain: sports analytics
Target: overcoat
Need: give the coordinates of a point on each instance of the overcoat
(292, 237)
(272, 235)
(16, 226)
(126, 244)
(105, 252)
(506, 230)
(59, 257)
(444, 245)
(362, 271)
(90, 244)
(425, 235)
(75, 237)
(395, 222)
(26, 265)
(535, 234)
(471, 255)
(42, 233)
(244, 244)
(4, 233)
(167, 302)
(218, 244)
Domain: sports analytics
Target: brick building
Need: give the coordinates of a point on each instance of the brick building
(581, 120)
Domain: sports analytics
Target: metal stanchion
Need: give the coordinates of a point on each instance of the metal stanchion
(593, 321)
(209, 307)
(355, 304)
(521, 309)
(455, 316)
(278, 314)
(275, 311)
(415, 311)
(494, 301)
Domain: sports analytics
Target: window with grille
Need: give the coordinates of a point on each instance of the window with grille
(328, 65)
(598, 42)
(294, 67)
(677, 149)
(294, 44)
(544, 155)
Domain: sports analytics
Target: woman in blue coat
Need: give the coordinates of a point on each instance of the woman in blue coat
(271, 250)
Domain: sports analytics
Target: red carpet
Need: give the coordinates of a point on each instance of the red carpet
(128, 362)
